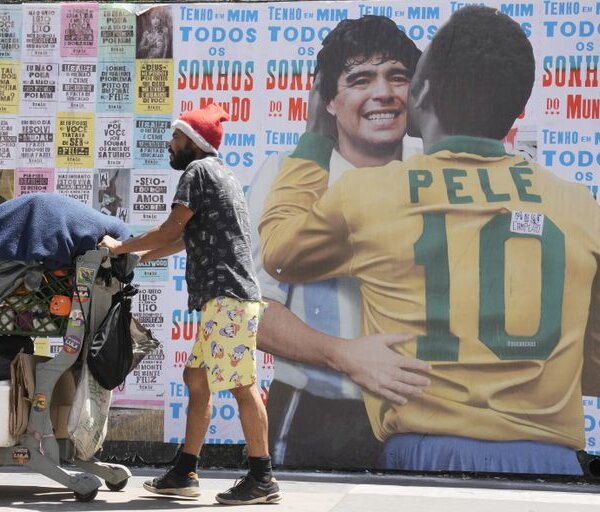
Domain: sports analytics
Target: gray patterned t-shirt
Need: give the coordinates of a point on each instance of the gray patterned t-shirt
(217, 237)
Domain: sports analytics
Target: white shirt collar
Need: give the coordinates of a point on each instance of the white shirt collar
(338, 165)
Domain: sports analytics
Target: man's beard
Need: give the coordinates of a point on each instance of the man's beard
(180, 160)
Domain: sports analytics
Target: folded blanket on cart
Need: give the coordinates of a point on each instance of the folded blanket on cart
(53, 229)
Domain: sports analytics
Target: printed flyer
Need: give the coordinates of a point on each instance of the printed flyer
(30, 181)
(41, 32)
(11, 19)
(75, 140)
(75, 184)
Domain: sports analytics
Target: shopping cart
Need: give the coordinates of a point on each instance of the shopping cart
(86, 291)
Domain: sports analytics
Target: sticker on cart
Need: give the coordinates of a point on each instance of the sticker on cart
(71, 344)
(21, 456)
(82, 295)
(60, 305)
(39, 402)
(85, 275)
(76, 318)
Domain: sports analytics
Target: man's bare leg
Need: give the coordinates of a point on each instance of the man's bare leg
(254, 420)
(199, 409)
(182, 479)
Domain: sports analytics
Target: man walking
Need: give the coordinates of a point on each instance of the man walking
(209, 219)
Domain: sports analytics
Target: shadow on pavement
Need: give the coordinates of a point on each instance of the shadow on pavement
(24, 497)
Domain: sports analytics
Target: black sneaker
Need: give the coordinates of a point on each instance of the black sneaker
(175, 484)
(247, 491)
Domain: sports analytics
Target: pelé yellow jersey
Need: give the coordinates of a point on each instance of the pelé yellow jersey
(487, 258)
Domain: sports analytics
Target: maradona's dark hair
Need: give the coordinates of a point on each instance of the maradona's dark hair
(481, 70)
(353, 42)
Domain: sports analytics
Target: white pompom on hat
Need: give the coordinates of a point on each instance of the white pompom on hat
(203, 127)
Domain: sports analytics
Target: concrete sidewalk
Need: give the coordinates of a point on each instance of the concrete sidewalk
(311, 492)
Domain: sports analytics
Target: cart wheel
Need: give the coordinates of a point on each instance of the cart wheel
(118, 486)
(86, 497)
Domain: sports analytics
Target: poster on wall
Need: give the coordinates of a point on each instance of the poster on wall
(75, 184)
(7, 184)
(36, 141)
(10, 31)
(39, 87)
(567, 74)
(227, 74)
(116, 33)
(111, 192)
(41, 32)
(151, 200)
(32, 181)
(144, 387)
(114, 138)
(79, 29)
(77, 91)
(154, 88)
(115, 87)
(151, 138)
(155, 271)
(88, 93)
(8, 142)
(154, 33)
(10, 76)
(75, 140)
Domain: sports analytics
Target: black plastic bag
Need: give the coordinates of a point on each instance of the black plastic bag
(111, 353)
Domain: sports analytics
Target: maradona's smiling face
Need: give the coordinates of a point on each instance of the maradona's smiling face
(370, 104)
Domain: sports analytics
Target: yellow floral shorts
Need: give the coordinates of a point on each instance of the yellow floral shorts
(226, 343)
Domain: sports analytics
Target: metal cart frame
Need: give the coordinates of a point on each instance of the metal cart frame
(38, 449)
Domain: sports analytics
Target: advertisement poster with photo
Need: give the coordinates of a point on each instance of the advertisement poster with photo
(88, 92)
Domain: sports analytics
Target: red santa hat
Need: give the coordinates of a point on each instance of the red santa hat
(203, 126)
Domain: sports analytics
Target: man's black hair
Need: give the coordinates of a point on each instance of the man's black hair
(481, 70)
(354, 42)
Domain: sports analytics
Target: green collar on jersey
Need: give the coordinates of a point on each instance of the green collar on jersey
(465, 144)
